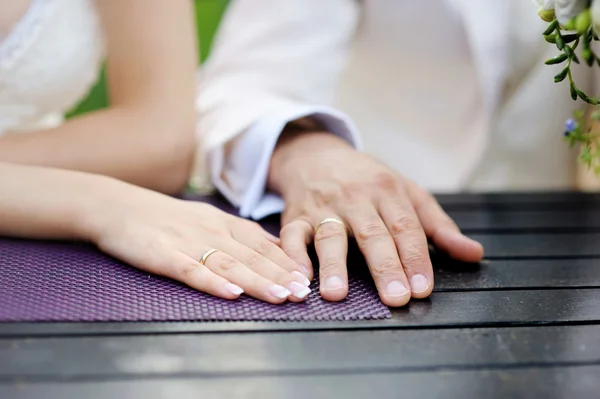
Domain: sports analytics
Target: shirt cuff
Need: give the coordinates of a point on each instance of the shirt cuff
(241, 174)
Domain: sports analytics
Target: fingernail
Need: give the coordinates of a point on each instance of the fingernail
(419, 283)
(334, 283)
(396, 288)
(234, 289)
(279, 291)
(302, 277)
(300, 291)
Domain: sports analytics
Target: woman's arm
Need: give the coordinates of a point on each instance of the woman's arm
(150, 231)
(48, 203)
(146, 137)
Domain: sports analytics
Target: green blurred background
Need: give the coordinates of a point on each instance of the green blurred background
(208, 15)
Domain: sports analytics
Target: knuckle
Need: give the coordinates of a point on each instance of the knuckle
(371, 231)
(227, 264)
(415, 260)
(323, 195)
(263, 246)
(330, 231)
(297, 225)
(387, 266)
(329, 265)
(252, 258)
(186, 272)
(352, 191)
(403, 224)
(292, 248)
(420, 196)
(386, 180)
(286, 230)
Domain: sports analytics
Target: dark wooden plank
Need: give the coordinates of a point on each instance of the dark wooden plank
(539, 245)
(520, 200)
(512, 274)
(532, 220)
(219, 355)
(527, 383)
(444, 309)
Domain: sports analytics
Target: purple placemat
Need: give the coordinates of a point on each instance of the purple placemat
(68, 282)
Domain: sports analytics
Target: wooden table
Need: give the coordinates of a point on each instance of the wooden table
(522, 324)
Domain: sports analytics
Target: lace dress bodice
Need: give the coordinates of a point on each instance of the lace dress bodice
(48, 63)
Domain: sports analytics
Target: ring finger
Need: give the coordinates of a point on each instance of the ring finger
(253, 284)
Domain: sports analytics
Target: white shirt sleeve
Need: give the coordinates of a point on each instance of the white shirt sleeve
(242, 177)
(272, 62)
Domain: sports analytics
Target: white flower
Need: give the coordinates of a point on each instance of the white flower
(545, 4)
(566, 10)
(546, 9)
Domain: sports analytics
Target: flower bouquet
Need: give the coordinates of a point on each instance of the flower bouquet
(573, 25)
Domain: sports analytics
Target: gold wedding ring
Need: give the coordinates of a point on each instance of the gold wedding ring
(206, 255)
(330, 220)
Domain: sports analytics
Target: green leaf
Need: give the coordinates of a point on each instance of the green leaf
(550, 39)
(551, 27)
(570, 37)
(573, 92)
(578, 114)
(586, 156)
(587, 55)
(574, 58)
(557, 60)
(559, 41)
(561, 75)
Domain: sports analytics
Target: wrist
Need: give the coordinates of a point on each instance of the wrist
(94, 212)
(297, 148)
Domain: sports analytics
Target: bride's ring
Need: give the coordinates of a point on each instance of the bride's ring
(331, 220)
(206, 255)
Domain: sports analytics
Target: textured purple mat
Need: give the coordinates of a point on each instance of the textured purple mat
(48, 281)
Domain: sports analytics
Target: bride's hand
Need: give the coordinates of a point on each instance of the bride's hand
(169, 237)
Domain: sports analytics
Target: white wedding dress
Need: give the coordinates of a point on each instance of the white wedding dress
(49, 60)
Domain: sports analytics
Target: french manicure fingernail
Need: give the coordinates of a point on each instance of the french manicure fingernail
(279, 291)
(234, 289)
(334, 283)
(298, 290)
(301, 276)
(396, 288)
(419, 283)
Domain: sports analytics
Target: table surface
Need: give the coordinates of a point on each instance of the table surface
(523, 323)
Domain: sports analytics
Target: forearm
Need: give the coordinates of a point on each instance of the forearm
(48, 203)
(134, 145)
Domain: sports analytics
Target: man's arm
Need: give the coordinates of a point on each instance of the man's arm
(272, 62)
(146, 137)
